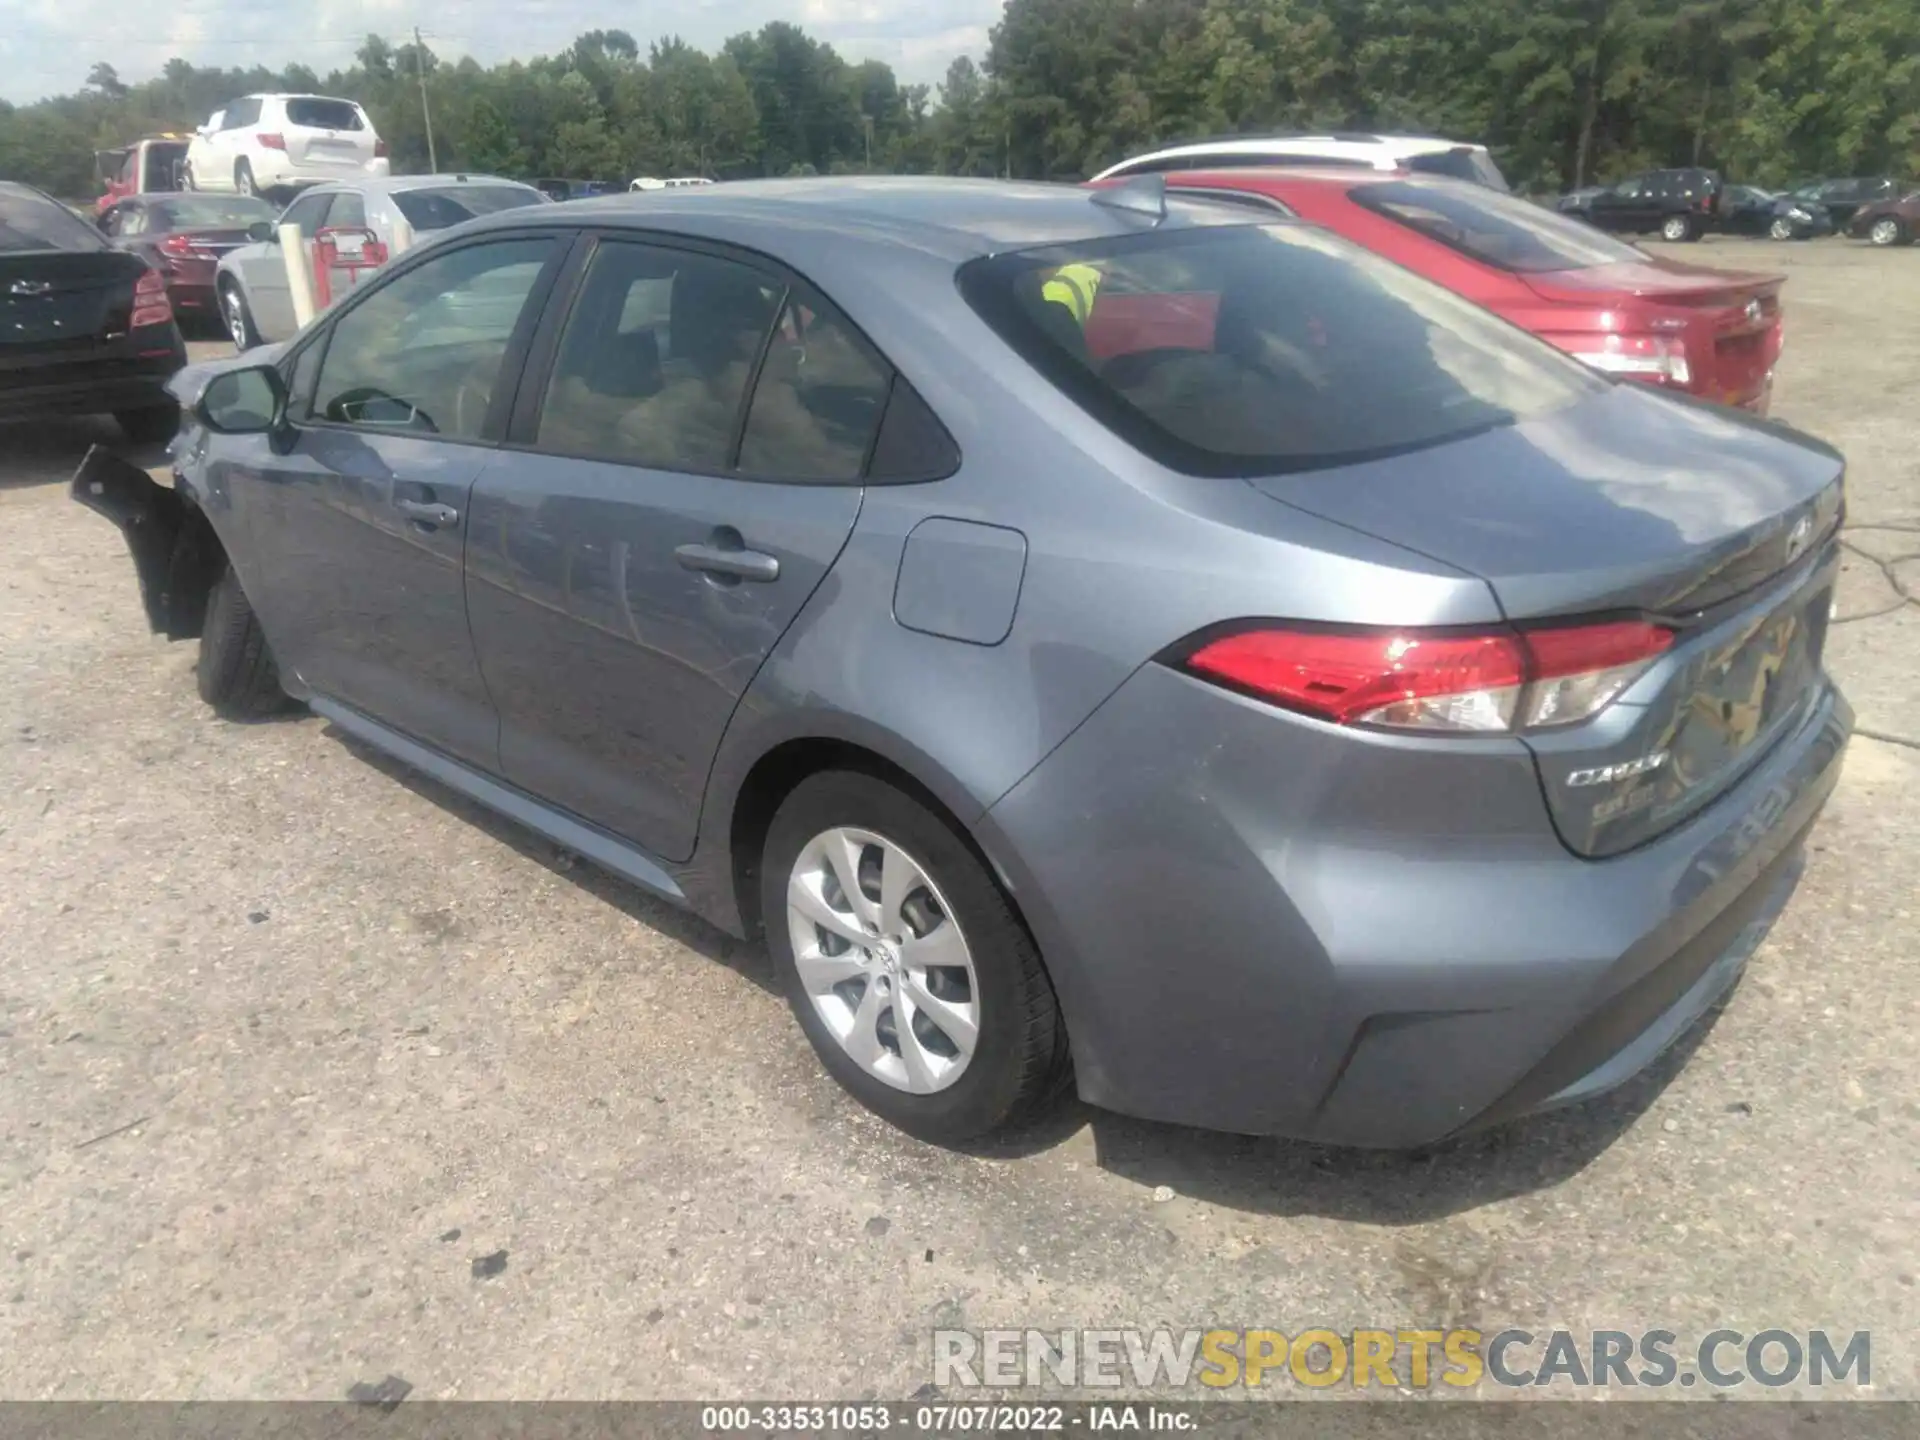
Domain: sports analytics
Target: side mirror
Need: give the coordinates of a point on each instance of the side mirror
(252, 401)
(262, 231)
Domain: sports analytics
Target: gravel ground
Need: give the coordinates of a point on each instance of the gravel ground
(311, 1073)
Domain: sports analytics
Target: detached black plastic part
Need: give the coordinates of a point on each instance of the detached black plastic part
(174, 552)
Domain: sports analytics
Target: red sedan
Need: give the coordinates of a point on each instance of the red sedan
(1712, 333)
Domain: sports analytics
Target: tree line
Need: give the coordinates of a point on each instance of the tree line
(1565, 92)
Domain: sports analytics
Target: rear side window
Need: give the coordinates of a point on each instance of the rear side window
(316, 114)
(438, 209)
(1262, 349)
(1495, 229)
(31, 222)
(1463, 162)
(656, 356)
(818, 400)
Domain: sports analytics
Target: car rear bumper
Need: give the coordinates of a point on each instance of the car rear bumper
(90, 387)
(1288, 928)
(275, 171)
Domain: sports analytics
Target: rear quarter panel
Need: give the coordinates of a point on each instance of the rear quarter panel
(1123, 559)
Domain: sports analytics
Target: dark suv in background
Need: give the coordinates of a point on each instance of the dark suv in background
(1678, 204)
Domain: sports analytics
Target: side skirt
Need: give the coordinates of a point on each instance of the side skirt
(609, 852)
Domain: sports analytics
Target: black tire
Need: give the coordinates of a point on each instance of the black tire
(1780, 228)
(243, 179)
(1887, 232)
(237, 318)
(236, 673)
(151, 425)
(1679, 228)
(1020, 1061)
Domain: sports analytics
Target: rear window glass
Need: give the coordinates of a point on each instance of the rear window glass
(29, 222)
(1462, 163)
(192, 212)
(437, 209)
(325, 114)
(1497, 230)
(1261, 349)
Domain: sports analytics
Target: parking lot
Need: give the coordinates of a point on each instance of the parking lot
(312, 1073)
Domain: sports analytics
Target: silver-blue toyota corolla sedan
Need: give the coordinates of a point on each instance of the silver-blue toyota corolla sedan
(1104, 639)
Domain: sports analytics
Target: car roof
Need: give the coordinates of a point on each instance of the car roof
(395, 184)
(1341, 145)
(1251, 177)
(822, 220)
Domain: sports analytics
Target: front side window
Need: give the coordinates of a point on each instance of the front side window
(349, 211)
(423, 352)
(437, 209)
(1262, 349)
(656, 357)
(309, 212)
(1493, 228)
(241, 112)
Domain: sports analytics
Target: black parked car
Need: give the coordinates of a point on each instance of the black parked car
(83, 327)
(1746, 210)
(1678, 204)
(1799, 215)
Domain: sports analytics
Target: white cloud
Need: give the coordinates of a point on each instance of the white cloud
(48, 46)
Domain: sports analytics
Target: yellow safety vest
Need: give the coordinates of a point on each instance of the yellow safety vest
(1073, 286)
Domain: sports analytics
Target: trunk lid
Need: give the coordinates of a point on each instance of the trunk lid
(63, 301)
(1729, 320)
(1719, 526)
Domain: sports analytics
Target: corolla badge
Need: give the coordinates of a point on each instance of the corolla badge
(1625, 770)
(30, 287)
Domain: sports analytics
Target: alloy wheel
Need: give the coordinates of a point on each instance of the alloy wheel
(882, 959)
(1674, 229)
(1781, 230)
(1884, 232)
(235, 316)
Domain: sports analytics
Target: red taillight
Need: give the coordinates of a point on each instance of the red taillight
(176, 245)
(272, 142)
(1657, 359)
(379, 149)
(150, 303)
(1496, 680)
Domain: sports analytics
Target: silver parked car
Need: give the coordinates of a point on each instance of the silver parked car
(251, 282)
(1094, 636)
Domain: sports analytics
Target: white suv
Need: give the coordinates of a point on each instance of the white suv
(261, 144)
(1373, 152)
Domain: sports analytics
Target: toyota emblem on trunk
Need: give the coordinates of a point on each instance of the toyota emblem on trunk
(1753, 312)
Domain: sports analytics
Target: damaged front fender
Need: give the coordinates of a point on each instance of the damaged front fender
(175, 551)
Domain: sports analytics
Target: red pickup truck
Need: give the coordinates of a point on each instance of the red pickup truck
(151, 163)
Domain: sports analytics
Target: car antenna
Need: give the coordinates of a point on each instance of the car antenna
(1141, 195)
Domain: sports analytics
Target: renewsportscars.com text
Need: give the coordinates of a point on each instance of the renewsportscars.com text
(1398, 1359)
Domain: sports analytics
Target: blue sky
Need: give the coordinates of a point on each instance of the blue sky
(47, 46)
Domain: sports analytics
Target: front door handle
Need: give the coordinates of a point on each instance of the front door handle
(428, 512)
(737, 564)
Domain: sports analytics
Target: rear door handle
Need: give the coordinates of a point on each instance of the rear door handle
(428, 512)
(739, 564)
